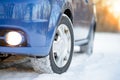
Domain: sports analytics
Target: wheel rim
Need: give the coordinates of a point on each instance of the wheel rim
(62, 46)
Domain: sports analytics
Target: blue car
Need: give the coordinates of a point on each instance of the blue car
(46, 31)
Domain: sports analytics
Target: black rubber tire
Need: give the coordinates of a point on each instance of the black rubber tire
(47, 64)
(88, 48)
(65, 20)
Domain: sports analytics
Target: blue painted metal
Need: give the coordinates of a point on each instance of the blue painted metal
(38, 19)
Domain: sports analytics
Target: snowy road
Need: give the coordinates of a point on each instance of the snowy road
(104, 64)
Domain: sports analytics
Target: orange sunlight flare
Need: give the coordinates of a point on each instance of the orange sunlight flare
(114, 8)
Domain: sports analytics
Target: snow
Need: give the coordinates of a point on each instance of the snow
(104, 64)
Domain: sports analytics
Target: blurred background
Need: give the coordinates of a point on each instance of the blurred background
(108, 18)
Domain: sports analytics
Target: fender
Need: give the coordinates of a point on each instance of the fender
(57, 10)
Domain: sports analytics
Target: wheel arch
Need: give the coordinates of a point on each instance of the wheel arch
(68, 12)
(65, 9)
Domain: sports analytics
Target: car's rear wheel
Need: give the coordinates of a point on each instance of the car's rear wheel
(88, 48)
(60, 56)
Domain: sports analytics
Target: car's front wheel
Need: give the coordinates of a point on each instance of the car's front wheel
(60, 56)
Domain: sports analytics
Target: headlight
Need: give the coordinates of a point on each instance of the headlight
(14, 38)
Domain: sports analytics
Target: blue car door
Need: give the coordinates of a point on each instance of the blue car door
(82, 18)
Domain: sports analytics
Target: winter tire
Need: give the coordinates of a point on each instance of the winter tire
(88, 48)
(60, 56)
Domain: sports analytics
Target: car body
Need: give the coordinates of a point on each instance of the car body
(37, 20)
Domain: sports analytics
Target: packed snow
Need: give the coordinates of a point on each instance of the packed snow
(103, 64)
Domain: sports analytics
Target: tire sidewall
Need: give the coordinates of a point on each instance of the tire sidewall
(91, 39)
(64, 20)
